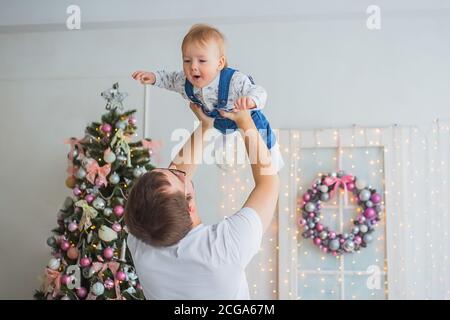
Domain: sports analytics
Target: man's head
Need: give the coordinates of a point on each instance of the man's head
(203, 50)
(160, 208)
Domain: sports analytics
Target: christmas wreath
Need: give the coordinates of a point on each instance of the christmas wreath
(329, 241)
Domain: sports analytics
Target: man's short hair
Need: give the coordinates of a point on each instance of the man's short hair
(153, 214)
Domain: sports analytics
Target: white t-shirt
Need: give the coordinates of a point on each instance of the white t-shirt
(208, 263)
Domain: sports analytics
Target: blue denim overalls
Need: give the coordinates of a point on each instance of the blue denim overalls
(226, 125)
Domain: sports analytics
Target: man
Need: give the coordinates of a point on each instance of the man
(175, 255)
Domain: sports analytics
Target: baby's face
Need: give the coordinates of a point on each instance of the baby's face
(202, 64)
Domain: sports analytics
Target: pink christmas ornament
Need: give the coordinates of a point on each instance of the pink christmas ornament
(118, 211)
(65, 279)
(72, 226)
(319, 227)
(132, 120)
(301, 221)
(106, 128)
(370, 213)
(350, 186)
(361, 219)
(306, 197)
(99, 182)
(121, 276)
(357, 240)
(117, 227)
(81, 292)
(375, 198)
(325, 249)
(89, 198)
(317, 241)
(332, 235)
(85, 262)
(76, 191)
(65, 245)
(108, 253)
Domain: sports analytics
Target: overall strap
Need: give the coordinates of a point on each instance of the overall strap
(224, 86)
(189, 89)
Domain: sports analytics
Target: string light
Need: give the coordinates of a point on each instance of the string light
(374, 153)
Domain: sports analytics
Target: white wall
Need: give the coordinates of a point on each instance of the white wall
(320, 64)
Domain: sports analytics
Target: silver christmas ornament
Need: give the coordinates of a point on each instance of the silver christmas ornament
(99, 203)
(54, 263)
(310, 207)
(349, 246)
(80, 174)
(363, 228)
(369, 204)
(86, 161)
(109, 157)
(323, 235)
(355, 230)
(137, 172)
(333, 245)
(323, 188)
(364, 195)
(114, 178)
(107, 212)
(121, 124)
(68, 203)
(98, 289)
(51, 241)
(325, 196)
(367, 238)
(91, 271)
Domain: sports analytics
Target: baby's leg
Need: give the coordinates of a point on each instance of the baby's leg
(276, 157)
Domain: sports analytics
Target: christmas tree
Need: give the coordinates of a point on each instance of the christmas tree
(90, 255)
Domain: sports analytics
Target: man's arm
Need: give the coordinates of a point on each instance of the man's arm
(192, 151)
(264, 196)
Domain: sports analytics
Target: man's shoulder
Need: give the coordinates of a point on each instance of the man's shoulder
(244, 218)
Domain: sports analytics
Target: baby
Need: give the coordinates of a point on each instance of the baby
(207, 81)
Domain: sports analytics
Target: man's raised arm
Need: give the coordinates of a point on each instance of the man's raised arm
(192, 151)
(264, 196)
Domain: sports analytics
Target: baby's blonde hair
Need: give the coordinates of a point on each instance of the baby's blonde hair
(200, 34)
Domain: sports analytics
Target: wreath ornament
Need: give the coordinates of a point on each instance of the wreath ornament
(369, 212)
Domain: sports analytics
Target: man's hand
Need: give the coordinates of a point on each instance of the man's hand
(244, 103)
(144, 77)
(204, 119)
(238, 116)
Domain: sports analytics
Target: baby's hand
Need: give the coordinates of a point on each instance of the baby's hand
(144, 77)
(244, 103)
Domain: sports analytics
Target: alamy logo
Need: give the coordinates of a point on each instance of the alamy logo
(374, 19)
(73, 21)
(374, 278)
